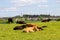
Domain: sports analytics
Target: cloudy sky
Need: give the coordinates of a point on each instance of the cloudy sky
(9, 8)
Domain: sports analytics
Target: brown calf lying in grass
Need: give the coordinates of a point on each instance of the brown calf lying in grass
(30, 28)
(33, 28)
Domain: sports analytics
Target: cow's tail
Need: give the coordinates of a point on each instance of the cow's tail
(44, 26)
(41, 28)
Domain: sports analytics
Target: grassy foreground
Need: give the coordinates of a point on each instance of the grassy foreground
(51, 32)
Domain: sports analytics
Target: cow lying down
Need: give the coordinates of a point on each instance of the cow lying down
(29, 28)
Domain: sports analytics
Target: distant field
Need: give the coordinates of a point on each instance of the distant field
(51, 32)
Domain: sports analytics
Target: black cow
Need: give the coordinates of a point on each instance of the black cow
(21, 22)
(19, 27)
(47, 20)
(10, 20)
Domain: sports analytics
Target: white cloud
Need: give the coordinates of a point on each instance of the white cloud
(26, 2)
(18, 3)
(57, 0)
(43, 6)
(8, 9)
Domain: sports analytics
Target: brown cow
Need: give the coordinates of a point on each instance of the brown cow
(31, 28)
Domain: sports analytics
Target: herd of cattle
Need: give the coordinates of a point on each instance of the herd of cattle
(27, 27)
(10, 20)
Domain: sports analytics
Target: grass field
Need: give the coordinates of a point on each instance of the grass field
(51, 32)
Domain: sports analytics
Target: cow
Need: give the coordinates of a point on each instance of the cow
(46, 20)
(21, 22)
(32, 28)
(10, 20)
(19, 27)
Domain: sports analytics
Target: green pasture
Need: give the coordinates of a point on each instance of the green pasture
(51, 32)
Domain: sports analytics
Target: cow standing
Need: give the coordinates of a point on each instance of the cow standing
(10, 20)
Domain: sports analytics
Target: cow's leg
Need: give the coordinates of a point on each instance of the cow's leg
(31, 30)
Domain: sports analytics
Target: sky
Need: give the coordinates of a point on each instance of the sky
(10, 8)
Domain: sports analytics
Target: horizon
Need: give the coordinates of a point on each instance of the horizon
(28, 14)
(10, 8)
